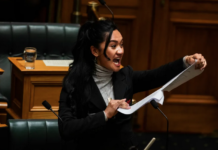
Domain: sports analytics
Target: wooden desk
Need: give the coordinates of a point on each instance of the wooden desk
(1, 71)
(30, 87)
(3, 106)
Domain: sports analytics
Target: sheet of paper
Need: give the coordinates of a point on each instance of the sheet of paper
(58, 63)
(181, 78)
(158, 95)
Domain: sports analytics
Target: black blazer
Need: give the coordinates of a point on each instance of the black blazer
(92, 131)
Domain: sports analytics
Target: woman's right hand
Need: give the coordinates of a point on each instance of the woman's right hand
(113, 105)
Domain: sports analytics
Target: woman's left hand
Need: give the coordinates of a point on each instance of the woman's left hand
(201, 61)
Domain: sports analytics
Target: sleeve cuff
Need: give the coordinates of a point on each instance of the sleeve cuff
(105, 116)
(185, 64)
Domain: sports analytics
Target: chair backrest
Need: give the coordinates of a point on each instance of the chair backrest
(52, 40)
(34, 134)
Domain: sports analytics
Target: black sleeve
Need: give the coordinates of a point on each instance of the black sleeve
(146, 80)
(71, 127)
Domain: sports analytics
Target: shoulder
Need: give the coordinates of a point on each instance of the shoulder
(126, 70)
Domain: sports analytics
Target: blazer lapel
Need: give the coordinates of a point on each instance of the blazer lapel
(119, 85)
(97, 98)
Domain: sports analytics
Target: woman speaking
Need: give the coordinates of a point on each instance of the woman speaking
(96, 86)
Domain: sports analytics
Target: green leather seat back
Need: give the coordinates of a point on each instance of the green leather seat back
(52, 40)
(34, 134)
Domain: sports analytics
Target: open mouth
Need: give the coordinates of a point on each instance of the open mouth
(117, 61)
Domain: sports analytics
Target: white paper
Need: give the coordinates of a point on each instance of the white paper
(158, 95)
(181, 78)
(58, 63)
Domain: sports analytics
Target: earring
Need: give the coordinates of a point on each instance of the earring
(95, 60)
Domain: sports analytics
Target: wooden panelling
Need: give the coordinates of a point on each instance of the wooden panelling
(201, 39)
(26, 97)
(67, 8)
(17, 103)
(159, 34)
(47, 79)
(191, 99)
(118, 3)
(3, 117)
(18, 92)
(45, 91)
(13, 113)
(42, 115)
(116, 10)
(140, 52)
(45, 88)
(199, 6)
(3, 106)
(194, 15)
(121, 7)
(184, 28)
(3, 113)
(185, 117)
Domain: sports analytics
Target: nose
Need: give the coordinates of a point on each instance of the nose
(120, 50)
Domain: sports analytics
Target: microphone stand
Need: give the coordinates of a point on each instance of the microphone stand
(167, 126)
(110, 11)
(56, 114)
(104, 4)
(155, 105)
(48, 106)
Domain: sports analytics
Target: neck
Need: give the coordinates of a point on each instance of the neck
(102, 72)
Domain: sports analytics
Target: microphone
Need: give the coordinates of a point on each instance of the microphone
(48, 106)
(155, 105)
(104, 3)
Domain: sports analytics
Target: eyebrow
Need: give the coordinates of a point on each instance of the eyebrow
(115, 41)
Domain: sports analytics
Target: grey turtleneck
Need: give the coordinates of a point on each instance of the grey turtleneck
(103, 80)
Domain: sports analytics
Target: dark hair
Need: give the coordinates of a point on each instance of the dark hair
(76, 82)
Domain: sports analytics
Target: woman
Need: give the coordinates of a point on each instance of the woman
(95, 87)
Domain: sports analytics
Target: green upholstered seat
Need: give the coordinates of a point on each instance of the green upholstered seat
(34, 134)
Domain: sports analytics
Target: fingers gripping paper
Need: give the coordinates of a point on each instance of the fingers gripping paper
(158, 95)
